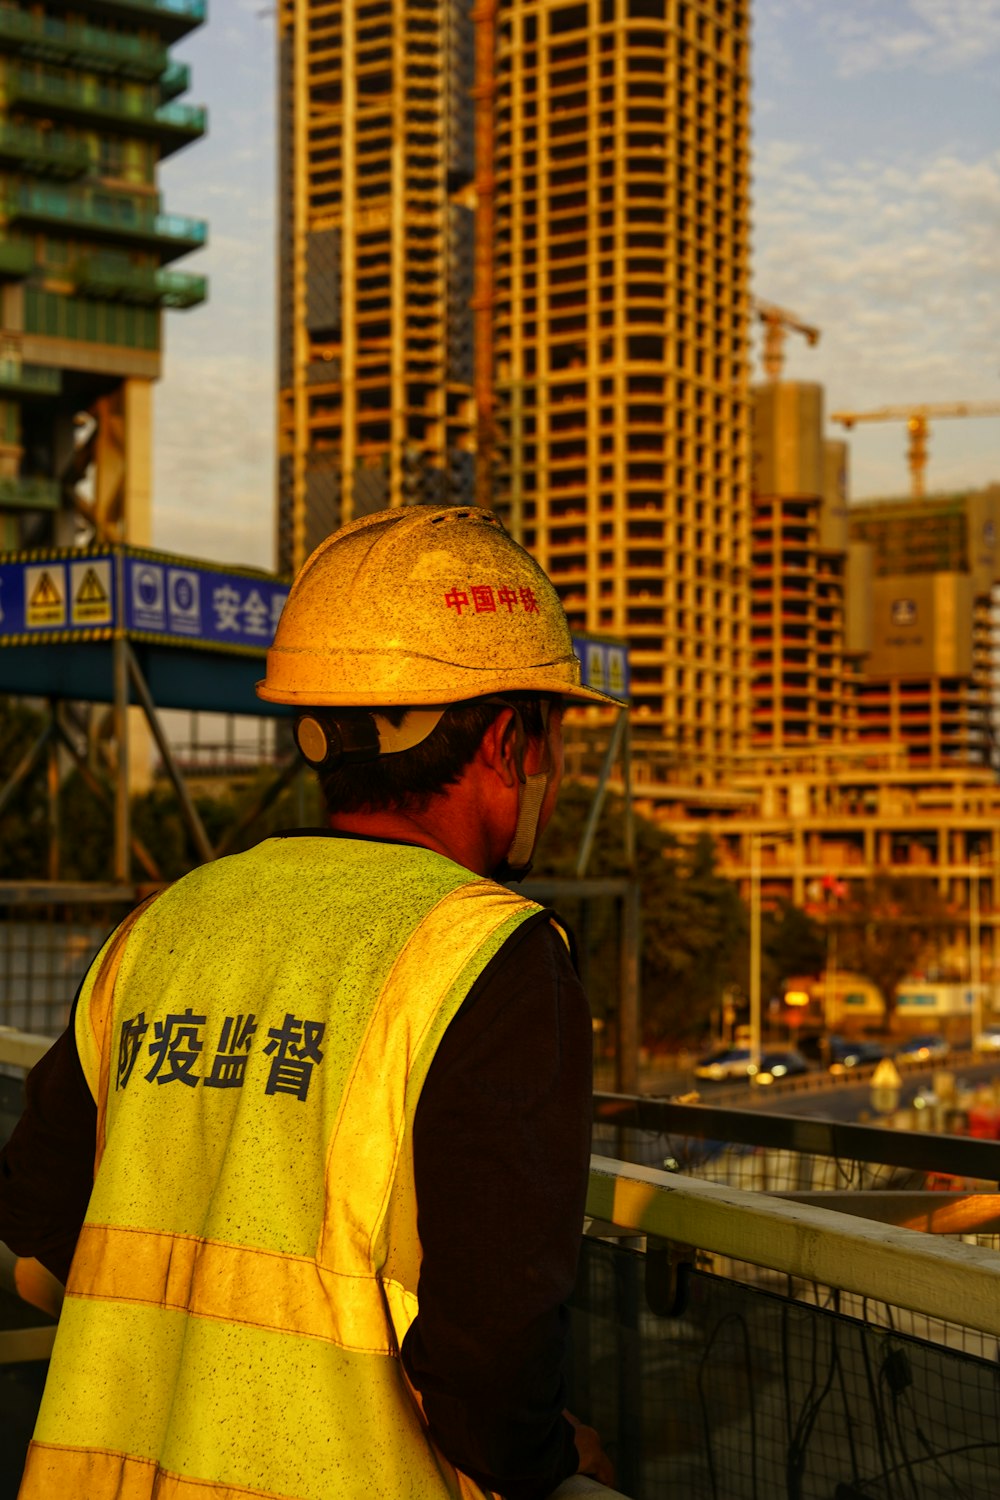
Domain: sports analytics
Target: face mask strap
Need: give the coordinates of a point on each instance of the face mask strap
(531, 796)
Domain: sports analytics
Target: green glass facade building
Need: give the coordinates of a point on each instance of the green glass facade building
(89, 107)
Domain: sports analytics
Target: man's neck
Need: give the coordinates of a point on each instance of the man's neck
(438, 828)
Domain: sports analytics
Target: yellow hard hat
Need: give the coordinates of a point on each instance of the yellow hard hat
(422, 605)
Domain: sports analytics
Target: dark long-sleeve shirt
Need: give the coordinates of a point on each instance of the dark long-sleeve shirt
(501, 1145)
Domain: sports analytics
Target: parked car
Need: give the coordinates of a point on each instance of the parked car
(730, 1063)
(790, 1064)
(922, 1049)
(725, 1062)
(845, 1055)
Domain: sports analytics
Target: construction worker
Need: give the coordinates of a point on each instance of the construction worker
(339, 1084)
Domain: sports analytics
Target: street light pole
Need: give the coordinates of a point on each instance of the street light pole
(975, 967)
(755, 952)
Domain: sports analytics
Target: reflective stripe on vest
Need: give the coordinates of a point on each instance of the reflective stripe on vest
(249, 1263)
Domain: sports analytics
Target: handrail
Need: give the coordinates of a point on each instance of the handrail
(22, 1049)
(953, 1154)
(582, 1484)
(819, 1080)
(902, 1267)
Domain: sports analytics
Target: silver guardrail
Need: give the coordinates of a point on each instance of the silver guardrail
(888, 1263)
(22, 1049)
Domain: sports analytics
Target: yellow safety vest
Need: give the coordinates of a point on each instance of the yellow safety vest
(256, 1039)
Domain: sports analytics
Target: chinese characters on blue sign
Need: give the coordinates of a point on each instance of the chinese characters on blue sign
(196, 603)
(169, 598)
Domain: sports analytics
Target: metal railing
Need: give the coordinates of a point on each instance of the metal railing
(51, 151)
(192, 9)
(47, 36)
(731, 1345)
(725, 1391)
(17, 259)
(32, 380)
(938, 1278)
(89, 97)
(123, 213)
(765, 1177)
(688, 1137)
(29, 493)
(106, 277)
(48, 936)
(175, 79)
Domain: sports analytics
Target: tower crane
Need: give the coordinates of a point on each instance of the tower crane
(777, 322)
(917, 419)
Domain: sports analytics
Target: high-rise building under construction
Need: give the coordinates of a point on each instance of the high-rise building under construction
(620, 314)
(87, 111)
(376, 261)
(601, 368)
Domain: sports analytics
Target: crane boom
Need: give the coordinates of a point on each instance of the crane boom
(777, 321)
(917, 418)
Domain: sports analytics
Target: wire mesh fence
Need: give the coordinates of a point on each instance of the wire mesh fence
(781, 1157)
(44, 953)
(744, 1394)
(787, 1153)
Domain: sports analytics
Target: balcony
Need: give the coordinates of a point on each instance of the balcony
(175, 79)
(52, 40)
(26, 381)
(115, 280)
(47, 153)
(17, 259)
(29, 494)
(86, 102)
(106, 215)
(172, 19)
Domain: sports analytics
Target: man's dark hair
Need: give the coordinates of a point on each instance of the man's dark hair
(412, 777)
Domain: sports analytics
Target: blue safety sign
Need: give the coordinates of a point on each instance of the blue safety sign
(195, 603)
(603, 664)
(89, 595)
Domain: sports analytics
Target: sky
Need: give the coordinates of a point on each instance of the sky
(876, 218)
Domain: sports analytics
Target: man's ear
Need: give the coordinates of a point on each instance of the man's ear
(497, 748)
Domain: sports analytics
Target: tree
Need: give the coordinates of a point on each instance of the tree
(696, 942)
(792, 944)
(693, 921)
(887, 927)
(25, 841)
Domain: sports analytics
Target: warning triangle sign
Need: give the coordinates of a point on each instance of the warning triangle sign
(44, 596)
(45, 593)
(91, 590)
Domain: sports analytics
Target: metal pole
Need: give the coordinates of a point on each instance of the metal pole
(755, 951)
(94, 785)
(593, 817)
(832, 1006)
(627, 1059)
(53, 787)
(120, 668)
(975, 966)
(201, 839)
(24, 767)
(627, 783)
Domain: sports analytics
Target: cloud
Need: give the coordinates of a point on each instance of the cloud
(868, 36)
(214, 458)
(895, 260)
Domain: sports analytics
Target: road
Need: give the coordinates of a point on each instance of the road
(834, 1101)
